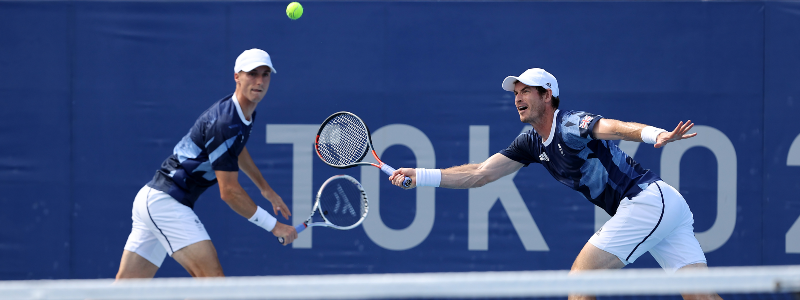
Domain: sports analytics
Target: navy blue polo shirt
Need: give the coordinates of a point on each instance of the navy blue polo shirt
(212, 144)
(598, 169)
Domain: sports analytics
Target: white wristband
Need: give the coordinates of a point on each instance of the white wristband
(650, 134)
(263, 219)
(429, 177)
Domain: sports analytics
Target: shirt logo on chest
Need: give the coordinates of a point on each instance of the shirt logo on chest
(560, 150)
(543, 157)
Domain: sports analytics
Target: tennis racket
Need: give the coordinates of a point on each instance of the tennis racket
(343, 140)
(341, 204)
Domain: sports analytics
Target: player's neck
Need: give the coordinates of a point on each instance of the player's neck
(543, 125)
(248, 107)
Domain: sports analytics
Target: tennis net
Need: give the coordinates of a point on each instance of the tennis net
(777, 282)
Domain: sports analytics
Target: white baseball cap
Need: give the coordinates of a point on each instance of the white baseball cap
(533, 77)
(251, 59)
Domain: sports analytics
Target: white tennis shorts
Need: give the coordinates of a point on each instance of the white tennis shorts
(162, 225)
(656, 220)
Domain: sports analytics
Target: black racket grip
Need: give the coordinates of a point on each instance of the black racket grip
(299, 227)
(389, 171)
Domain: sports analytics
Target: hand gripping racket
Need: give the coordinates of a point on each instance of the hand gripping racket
(341, 204)
(343, 140)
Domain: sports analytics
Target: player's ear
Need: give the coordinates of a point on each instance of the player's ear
(236, 77)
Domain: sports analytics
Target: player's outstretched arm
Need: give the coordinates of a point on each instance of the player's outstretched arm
(610, 129)
(459, 177)
(248, 166)
(236, 197)
(478, 175)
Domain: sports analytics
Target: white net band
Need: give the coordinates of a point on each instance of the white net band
(777, 279)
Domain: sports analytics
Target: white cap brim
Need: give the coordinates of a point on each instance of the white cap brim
(249, 67)
(508, 83)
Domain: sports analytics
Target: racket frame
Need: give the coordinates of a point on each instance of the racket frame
(363, 155)
(381, 165)
(316, 209)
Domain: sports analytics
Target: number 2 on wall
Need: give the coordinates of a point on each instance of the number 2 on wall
(793, 235)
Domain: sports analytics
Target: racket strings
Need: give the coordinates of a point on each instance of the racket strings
(343, 140)
(341, 203)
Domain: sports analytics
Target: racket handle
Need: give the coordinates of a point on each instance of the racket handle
(299, 227)
(389, 171)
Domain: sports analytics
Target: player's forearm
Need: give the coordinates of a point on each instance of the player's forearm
(478, 175)
(610, 129)
(463, 177)
(239, 201)
(630, 131)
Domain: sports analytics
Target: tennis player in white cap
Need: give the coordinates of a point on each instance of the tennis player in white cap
(574, 146)
(212, 152)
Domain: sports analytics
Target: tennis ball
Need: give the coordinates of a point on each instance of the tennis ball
(294, 10)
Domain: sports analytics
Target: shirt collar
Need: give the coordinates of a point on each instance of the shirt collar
(239, 110)
(552, 129)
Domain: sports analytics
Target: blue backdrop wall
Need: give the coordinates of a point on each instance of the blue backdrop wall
(96, 94)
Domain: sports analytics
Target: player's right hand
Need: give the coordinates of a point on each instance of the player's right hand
(400, 175)
(288, 233)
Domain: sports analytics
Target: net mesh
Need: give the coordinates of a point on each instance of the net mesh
(776, 282)
(343, 140)
(341, 202)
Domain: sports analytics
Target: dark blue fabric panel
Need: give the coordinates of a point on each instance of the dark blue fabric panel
(35, 140)
(781, 105)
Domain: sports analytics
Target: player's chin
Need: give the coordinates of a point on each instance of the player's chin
(525, 118)
(258, 95)
(257, 98)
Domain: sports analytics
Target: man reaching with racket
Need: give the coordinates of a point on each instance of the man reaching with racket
(574, 146)
(212, 152)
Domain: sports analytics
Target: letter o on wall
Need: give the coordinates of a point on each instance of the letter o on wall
(414, 234)
(723, 150)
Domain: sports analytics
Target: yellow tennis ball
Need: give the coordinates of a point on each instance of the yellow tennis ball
(294, 10)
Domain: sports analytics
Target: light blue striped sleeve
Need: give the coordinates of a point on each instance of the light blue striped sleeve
(576, 128)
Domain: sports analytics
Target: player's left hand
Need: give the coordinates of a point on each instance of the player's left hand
(678, 134)
(277, 204)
